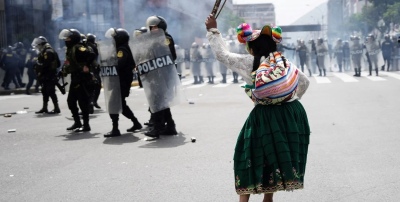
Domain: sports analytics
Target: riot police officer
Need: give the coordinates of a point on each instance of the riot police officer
(19, 48)
(78, 60)
(91, 42)
(195, 61)
(356, 51)
(10, 62)
(322, 52)
(124, 70)
(208, 58)
(303, 51)
(163, 122)
(31, 66)
(387, 51)
(46, 69)
(373, 49)
(234, 49)
(346, 56)
(338, 53)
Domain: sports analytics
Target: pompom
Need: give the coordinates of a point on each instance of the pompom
(244, 32)
(277, 34)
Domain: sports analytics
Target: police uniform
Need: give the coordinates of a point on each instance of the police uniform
(322, 51)
(356, 51)
(373, 51)
(346, 56)
(46, 68)
(96, 73)
(302, 52)
(30, 65)
(338, 53)
(163, 121)
(10, 61)
(77, 57)
(387, 51)
(195, 61)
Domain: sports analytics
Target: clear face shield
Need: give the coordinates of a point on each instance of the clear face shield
(36, 44)
(110, 33)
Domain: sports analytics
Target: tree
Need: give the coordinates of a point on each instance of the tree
(392, 14)
(227, 20)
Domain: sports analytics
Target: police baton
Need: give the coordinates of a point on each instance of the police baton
(215, 9)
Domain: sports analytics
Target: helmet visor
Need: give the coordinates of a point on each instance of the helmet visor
(110, 33)
(64, 34)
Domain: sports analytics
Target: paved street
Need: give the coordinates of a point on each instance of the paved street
(353, 154)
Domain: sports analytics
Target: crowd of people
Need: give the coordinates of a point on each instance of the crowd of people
(370, 54)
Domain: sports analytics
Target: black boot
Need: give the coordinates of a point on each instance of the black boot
(320, 72)
(113, 133)
(196, 80)
(223, 78)
(91, 108)
(56, 109)
(43, 110)
(376, 71)
(324, 72)
(359, 72)
(356, 72)
(169, 130)
(150, 123)
(85, 127)
(136, 126)
(96, 105)
(201, 79)
(77, 123)
(153, 133)
(383, 68)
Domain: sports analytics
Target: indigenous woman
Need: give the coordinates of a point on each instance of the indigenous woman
(271, 149)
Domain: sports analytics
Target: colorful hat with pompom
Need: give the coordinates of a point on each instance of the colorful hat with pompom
(245, 33)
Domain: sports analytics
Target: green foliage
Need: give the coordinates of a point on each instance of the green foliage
(227, 20)
(392, 14)
(387, 10)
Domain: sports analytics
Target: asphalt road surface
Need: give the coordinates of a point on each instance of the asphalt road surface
(353, 154)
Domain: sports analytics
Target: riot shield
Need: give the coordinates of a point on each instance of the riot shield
(110, 77)
(157, 70)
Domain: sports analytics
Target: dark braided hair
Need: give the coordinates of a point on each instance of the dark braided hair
(262, 46)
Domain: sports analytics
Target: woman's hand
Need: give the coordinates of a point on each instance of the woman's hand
(211, 22)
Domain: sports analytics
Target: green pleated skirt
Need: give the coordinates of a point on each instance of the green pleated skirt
(271, 150)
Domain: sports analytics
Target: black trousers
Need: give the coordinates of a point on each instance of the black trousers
(78, 94)
(126, 111)
(49, 91)
(163, 119)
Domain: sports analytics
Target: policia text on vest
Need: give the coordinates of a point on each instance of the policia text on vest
(154, 64)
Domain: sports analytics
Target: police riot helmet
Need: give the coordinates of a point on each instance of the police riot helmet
(120, 35)
(194, 45)
(18, 45)
(39, 42)
(72, 35)
(320, 40)
(91, 38)
(157, 21)
(387, 37)
(371, 36)
(83, 38)
(139, 31)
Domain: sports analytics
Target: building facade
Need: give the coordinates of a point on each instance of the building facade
(257, 15)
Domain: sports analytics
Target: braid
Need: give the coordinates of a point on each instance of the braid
(262, 46)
